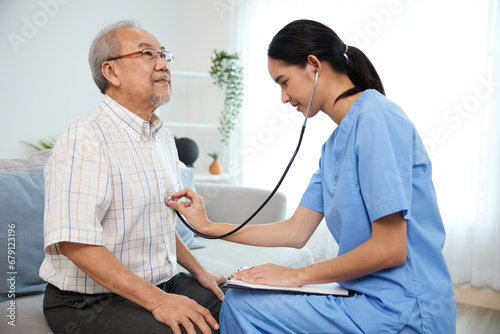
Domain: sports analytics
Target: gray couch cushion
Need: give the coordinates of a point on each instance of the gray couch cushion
(28, 316)
(226, 257)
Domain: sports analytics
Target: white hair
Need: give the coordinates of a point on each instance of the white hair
(105, 45)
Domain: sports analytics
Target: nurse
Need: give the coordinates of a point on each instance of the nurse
(374, 189)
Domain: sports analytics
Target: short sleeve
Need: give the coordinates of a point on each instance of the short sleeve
(77, 194)
(313, 196)
(384, 140)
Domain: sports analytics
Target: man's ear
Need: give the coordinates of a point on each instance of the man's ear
(109, 71)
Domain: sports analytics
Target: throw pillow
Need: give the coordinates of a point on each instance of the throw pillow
(21, 233)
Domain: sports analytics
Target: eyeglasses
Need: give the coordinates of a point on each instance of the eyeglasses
(149, 54)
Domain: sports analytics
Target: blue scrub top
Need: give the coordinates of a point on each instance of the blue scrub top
(375, 164)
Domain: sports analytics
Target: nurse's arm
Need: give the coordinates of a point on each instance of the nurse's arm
(386, 248)
(292, 232)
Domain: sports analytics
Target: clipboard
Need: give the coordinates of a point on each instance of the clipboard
(332, 289)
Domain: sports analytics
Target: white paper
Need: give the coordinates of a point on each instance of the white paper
(321, 289)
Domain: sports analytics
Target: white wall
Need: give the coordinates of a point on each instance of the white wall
(45, 78)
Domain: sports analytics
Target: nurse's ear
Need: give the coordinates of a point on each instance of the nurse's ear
(314, 63)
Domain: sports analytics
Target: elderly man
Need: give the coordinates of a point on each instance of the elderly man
(110, 241)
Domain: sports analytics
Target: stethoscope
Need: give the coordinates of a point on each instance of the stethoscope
(275, 188)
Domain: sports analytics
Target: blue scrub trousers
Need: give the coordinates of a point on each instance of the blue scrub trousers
(253, 311)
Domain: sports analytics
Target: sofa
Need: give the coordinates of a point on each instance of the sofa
(21, 238)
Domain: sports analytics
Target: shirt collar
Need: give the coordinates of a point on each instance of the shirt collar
(134, 125)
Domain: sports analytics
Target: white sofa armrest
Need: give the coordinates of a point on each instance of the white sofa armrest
(234, 204)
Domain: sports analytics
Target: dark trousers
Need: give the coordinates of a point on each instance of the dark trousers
(75, 313)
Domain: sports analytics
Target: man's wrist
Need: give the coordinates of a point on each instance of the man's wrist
(197, 270)
(154, 300)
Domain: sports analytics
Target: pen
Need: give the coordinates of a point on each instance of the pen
(239, 269)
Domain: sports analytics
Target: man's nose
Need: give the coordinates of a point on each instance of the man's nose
(161, 65)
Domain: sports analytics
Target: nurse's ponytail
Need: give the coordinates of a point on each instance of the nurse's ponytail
(301, 38)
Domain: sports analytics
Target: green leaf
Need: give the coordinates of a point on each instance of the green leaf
(227, 73)
(41, 144)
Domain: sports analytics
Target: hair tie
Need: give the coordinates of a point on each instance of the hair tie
(345, 53)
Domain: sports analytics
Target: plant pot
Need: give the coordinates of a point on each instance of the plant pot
(215, 168)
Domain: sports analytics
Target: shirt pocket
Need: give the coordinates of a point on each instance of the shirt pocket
(347, 190)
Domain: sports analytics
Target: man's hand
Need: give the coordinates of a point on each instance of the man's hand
(212, 281)
(205, 277)
(176, 310)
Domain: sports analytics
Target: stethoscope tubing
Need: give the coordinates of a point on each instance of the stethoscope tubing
(272, 192)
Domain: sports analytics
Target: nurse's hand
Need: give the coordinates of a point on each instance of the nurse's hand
(269, 274)
(193, 209)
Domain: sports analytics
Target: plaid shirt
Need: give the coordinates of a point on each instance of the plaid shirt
(105, 183)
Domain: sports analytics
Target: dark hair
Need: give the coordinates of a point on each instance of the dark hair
(301, 38)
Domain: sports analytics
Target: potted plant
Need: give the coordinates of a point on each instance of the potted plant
(215, 168)
(227, 72)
